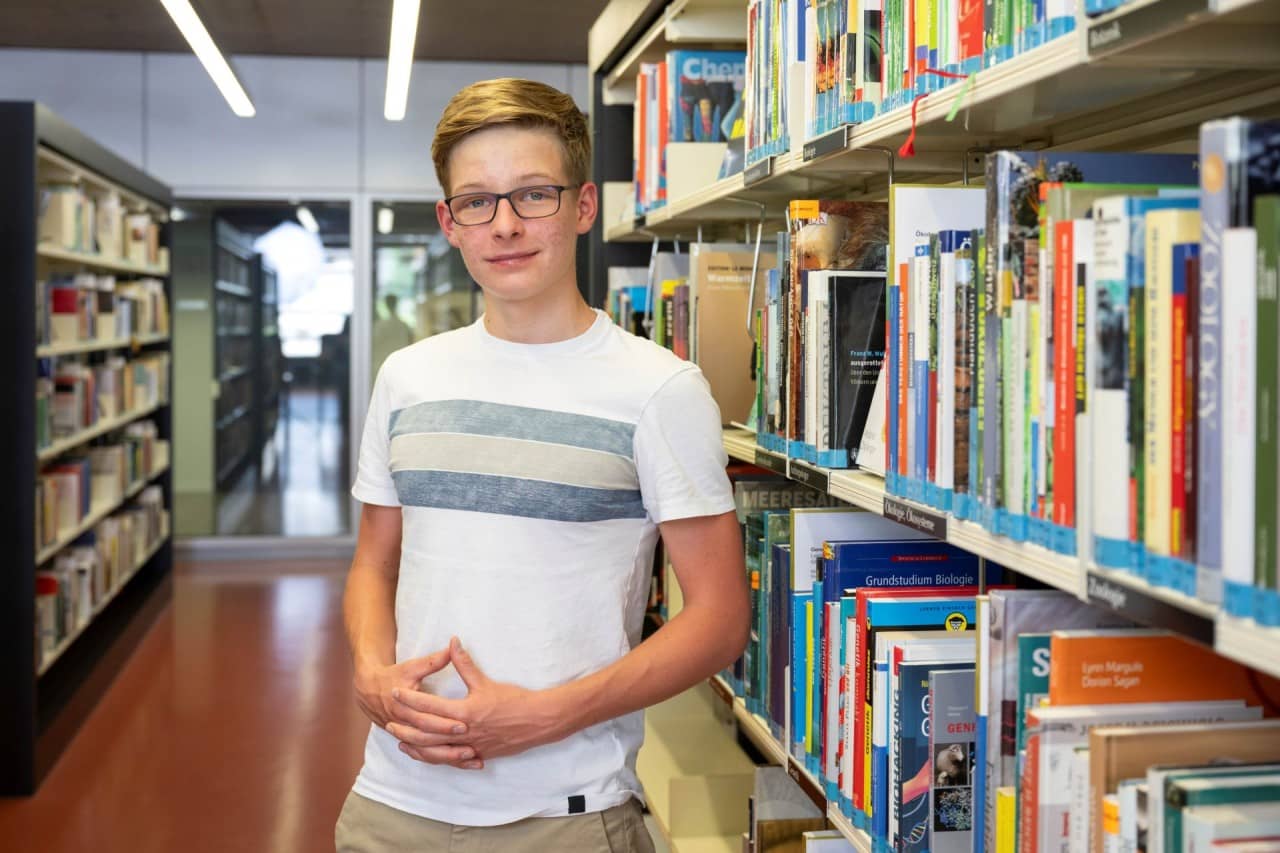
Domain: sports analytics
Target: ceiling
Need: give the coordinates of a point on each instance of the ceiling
(492, 30)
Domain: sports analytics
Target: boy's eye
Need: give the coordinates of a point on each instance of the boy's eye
(476, 202)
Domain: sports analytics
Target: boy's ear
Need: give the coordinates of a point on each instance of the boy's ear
(447, 225)
(588, 206)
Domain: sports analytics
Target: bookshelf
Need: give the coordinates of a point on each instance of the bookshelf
(267, 360)
(235, 356)
(1142, 77)
(46, 702)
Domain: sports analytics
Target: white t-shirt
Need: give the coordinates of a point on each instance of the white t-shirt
(532, 478)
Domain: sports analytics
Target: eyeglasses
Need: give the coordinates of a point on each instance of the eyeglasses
(527, 202)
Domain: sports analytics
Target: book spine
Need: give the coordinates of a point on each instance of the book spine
(861, 681)
(1064, 369)
(904, 369)
(977, 436)
(931, 397)
(1083, 312)
(1239, 399)
(1267, 223)
(1137, 376)
(1110, 402)
(1178, 437)
(964, 346)
(920, 428)
(1189, 376)
(948, 345)
(893, 343)
(1219, 143)
(1156, 413)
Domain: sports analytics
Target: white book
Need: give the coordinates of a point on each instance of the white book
(826, 841)
(1079, 821)
(1158, 783)
(1083, 249)
(872, 447)
(1203, 825)
(1108, 396)
(1111, 836)
(1132, 794)
(1239, 389)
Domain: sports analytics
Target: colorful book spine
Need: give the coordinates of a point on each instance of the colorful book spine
(1239, 402)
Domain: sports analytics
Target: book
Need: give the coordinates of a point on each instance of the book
(1205, 825)
(1266, 214)
(1141, 665)
(1234, 152)
(1238, 362)
(719, 290)
(1161, 782)
(952, 734)
(857, 346)
(1120, 753)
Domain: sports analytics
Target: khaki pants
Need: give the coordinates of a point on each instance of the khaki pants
(366, 826)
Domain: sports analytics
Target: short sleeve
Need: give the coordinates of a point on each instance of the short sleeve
(373, 472)
(679, 451)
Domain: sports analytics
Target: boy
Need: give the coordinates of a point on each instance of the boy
(515, 476)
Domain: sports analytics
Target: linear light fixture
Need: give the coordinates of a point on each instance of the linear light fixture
(210, 57)
(386, 220)
(404, 30)
(308, 219)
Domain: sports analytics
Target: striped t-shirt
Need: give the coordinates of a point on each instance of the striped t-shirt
(532, 478)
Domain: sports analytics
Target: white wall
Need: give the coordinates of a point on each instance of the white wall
(319, 126)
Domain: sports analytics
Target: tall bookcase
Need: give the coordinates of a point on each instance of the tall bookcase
(267, 360)
(236, 313)
(1141, 77)
(45, 702)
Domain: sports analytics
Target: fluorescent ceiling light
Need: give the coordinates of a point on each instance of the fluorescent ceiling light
(210, 57)
(386, 220)
(404, 30)
(308, 220)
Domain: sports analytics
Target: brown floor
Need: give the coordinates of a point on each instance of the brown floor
(231, 730)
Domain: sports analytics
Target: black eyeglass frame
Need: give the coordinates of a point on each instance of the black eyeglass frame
(498, 197)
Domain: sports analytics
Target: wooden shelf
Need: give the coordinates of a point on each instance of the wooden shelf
(1239, 639)
(859, 839)
(96, 514)
(51, 161)
(101, 262)
(81, 347)
(53, 656)
(101, 428)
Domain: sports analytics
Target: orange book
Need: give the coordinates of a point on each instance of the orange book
(641, 140)
(1094, 667)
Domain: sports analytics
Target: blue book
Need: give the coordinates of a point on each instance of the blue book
(893, 354)
(703, 86)
(910, 797)
(920, 376)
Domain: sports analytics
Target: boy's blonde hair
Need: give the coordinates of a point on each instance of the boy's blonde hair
(512, 101)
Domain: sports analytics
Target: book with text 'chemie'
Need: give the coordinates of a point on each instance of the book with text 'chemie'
(1137, 665)
(1121, 752)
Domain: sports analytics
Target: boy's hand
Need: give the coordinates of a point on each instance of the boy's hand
(374, 690)
(500, 719)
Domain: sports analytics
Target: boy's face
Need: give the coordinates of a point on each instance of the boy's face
(514, 259)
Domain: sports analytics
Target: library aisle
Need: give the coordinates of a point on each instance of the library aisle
(232, 727)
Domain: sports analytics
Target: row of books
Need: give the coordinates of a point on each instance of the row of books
(916, 701)
(72, 488)
(72, 218)
(1045, 357)
(69, 589)
(84, 308)
(72, 396)
(829, 63)
(691, 96)
(695, 302)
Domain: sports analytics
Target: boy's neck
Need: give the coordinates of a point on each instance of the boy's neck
(539, 322)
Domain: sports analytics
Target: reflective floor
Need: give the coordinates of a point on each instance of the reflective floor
(232, 728)
(300, 487)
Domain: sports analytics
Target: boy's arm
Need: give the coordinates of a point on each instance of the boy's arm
(705, 637)
(369, 610)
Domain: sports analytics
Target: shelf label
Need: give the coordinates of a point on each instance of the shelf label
(806, 784)
(917, 518)
(1147, 609)
(814, 478)
(757, 173)
(829, 143)
(1130, 28)
(771, 461)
